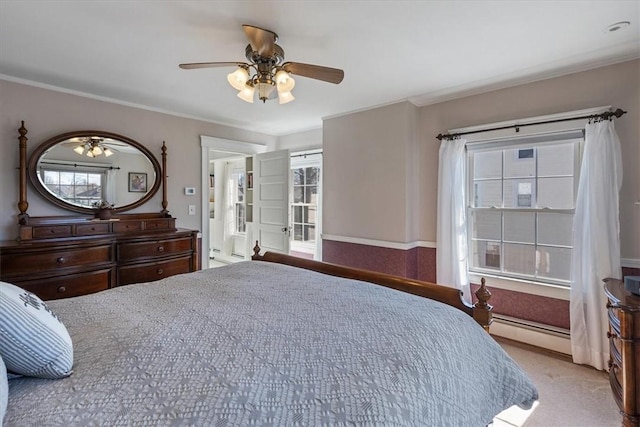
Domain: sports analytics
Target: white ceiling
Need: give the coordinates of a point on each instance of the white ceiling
(421, 51)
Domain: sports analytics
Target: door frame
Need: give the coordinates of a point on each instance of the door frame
(208, 144)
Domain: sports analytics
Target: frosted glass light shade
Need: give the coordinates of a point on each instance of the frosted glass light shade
(79, 149)
(284, 81)
(246, 94)
(264, 90)
(284, 97)
(107, 152)
(238, 78)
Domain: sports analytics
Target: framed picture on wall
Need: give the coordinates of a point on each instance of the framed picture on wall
(137, 182)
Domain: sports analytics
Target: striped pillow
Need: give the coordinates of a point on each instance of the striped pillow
(4, 390)
(33, 341)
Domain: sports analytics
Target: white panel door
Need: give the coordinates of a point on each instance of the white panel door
(271, 201)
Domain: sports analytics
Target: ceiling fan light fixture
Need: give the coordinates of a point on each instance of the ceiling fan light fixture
(284, 81)
(79, 149)
(107, 152)
(246, 93)
(264, 89)
(238, 79)
(284, 97)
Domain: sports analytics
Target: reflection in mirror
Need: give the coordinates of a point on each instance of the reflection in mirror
(78, 170)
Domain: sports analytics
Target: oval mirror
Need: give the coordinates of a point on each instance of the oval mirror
(78, 169)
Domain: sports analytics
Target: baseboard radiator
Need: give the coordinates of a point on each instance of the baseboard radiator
(538, 334)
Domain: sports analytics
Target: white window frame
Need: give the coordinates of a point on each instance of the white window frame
(510, 129)
(303, 159)
(75, 169)
(516, 143)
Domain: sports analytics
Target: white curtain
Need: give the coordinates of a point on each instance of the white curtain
(111, 190)
(228, 212)
(451, 247)
(596, 243)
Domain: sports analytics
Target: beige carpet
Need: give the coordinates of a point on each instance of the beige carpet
(570, 395)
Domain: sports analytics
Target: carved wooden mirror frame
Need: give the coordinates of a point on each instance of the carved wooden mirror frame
(30, 169)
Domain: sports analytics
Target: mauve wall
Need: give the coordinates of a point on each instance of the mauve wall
(48, 113)
(367, 202)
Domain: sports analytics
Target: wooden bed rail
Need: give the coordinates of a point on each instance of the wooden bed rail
(480, 311)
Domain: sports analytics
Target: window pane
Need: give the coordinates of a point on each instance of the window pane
(554, 263)
(520, 227)
(298, 176)
(487, 225)
(309, 233)
(487, 164)
(311, 215)
(519, 259)
(297, 232)
(555, 193)
(51, 177)
(67, 178)
(555, 229)
(298, 193)
(297, 214)
(519, 193)
(520, 162)
(311, 194)
(311, 176)
(556, 160)
(486, 254)
(488, 194)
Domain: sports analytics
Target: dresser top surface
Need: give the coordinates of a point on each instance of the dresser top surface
(619, 297)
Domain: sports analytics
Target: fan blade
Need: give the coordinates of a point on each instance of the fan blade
(261, 40)
(195, 65)
(331, 75)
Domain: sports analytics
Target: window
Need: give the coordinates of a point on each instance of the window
(238, 200)
(77, 187)
(521, 206)
(305, 203)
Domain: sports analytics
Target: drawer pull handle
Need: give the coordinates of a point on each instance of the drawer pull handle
(611, 335)
(160, 271)
(61, 260)
(62, 289)
(160, 249)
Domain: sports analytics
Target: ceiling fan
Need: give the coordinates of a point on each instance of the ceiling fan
(268, 69)
(93, 146)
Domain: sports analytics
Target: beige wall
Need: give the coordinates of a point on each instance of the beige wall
(48, 113)
(365, 181)
(369, 163)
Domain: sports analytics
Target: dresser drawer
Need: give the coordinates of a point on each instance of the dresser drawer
(92, 229)
(139, 273)
(129, 251)
(53, 231)
(50, 259)
(69, 286)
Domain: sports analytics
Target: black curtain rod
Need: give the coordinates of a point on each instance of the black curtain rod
(608, 115)
(75, 165)
(307, 154)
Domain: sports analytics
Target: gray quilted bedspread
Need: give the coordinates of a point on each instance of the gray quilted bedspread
(262, 344)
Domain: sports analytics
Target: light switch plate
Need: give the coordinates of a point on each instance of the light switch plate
(192, 209)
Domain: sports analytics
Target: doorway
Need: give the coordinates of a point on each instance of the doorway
(220, 150)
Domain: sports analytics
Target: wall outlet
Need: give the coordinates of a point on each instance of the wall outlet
(192, 209)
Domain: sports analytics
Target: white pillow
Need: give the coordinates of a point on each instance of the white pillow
(4, 390)
(33, 341)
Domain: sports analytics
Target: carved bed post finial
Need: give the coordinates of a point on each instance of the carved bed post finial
(165, 203)
(482, 311)
(23, 205)
(256, 251)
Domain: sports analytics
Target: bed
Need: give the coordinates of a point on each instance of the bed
(268, 344)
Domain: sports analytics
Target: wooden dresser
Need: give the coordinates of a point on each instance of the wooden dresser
(624, 339)
(70, 256)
